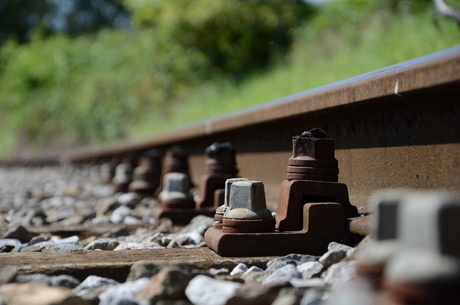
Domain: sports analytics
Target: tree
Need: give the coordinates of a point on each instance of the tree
(74, 17)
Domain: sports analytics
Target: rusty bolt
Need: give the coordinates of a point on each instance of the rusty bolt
(221, 159)
(175, 193)
(312, 157)
(123, 176)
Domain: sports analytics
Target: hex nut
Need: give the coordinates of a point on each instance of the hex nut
(228, 183)
(385, 205)
(175, 186)
(123, 173)
(430, 248)
(247, 201)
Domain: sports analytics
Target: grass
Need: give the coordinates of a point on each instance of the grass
(317, 58)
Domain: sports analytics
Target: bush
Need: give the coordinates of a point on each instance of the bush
(236, 36)
(90, 89)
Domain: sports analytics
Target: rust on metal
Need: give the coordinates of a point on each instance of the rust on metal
(176, 161)
(220, 165)
(300, 216)
(322, 222)
(411, 293)
(312, 175)
(147, 175)
(248, 225)
(383, 139)
(124, 174)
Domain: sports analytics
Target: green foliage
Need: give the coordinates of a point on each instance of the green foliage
(75, 17)
(85, 90)
(168, 70)
(333, 46)
(236, 36)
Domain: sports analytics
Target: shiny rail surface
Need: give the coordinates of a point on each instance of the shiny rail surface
(394, 127)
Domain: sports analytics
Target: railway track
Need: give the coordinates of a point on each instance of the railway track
(397, 127)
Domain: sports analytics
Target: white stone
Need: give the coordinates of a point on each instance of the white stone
(309, 269)
(340, 273)
(124, 293)
(282, 275)
(119, 214)
(308, 283)
(239, 270)
(203, 290)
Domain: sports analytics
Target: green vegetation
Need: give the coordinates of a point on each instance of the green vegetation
(170, 69)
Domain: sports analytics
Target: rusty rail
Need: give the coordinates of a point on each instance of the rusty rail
(394, 127)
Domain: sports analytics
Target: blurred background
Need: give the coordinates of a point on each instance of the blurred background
(86, 72)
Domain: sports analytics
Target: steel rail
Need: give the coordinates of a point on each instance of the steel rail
(394, 127)
(394, 81)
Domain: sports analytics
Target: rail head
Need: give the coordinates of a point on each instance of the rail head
(394, 81)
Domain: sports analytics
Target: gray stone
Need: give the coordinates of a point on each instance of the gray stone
(119, 214)
(71, 240)
(64, 280)
(35, 278)
(173, 244)
(309, 269)
(8, 244)
(314, 297)
(59, 213)
(254, 275)
(331, 257)
(36, 240)
(198, 224)
(49, 246)
(117, 232)
(295, 259)
(101, 191)
(92, 282)
(8, 274)
(288, 296)
(282, 275)
(221, 271)
(142, 269)
(340, 273)
(38, 294)
(106, 206)
(239, 270)
(203, 290)
(168, 284)
(334, 246)
(103, 244)
(131, 220)
(254, 294)
(123, 294)
(357, 292)
(130, 200)
(308, 283)
(18, 232)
